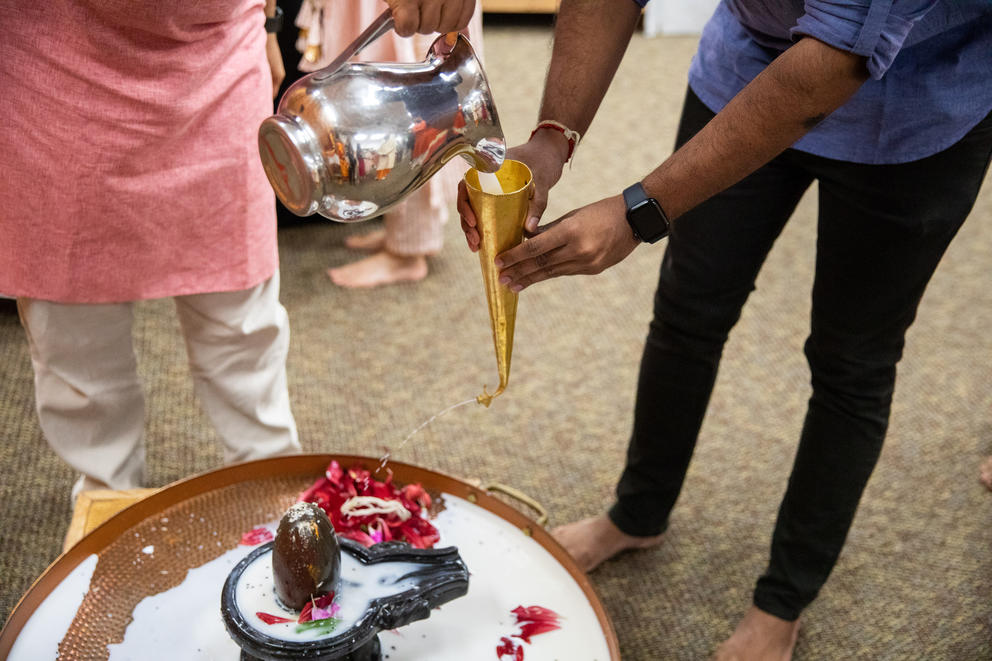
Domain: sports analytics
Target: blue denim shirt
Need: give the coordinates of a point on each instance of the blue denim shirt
(930, 63)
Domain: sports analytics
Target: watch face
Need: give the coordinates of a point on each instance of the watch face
(648, 221)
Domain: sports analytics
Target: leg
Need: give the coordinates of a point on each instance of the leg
(413, 231)
(237, 344)
(709, 268)
(373, 241)
(882, 232)
(89, 400)
(985, 473)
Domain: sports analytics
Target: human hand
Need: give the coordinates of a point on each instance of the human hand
(274, 55)
(429, 16)
(544, 155)
(585, 241)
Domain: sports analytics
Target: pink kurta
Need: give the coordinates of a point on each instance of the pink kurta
(128, 136)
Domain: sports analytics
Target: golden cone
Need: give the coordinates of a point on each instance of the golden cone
(500, 221)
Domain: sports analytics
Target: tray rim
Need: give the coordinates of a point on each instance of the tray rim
(314, 465)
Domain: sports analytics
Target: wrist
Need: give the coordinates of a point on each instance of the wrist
(273, 19)
(646, 218)
(553, 142)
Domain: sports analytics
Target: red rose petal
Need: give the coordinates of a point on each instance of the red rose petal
(271, 619)
(506, 647)
(529, 629)
(535, 614)
(338, 485)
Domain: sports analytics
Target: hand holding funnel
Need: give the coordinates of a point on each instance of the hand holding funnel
(500, 221)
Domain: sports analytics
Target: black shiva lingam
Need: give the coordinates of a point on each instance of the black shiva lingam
(383, 587)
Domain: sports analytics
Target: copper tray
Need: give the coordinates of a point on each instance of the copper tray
(236, 498)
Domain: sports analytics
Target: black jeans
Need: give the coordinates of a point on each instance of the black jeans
(882, 229)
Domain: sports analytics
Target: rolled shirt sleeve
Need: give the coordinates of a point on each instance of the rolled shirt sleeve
(875, 29)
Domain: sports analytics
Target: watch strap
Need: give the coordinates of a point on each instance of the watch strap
(274, 23)
(634, 194)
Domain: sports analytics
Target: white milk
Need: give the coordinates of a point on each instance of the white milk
(183, 622)
(508, 569)
(359, 586)
(489, 183)
(48, 625)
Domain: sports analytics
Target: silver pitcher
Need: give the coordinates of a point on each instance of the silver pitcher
(353, 140)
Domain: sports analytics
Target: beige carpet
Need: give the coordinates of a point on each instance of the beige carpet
(915, 580)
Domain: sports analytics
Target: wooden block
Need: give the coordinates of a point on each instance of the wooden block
(94, 507)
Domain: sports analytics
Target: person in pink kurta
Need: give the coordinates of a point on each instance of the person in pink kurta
(413, 230)
(131, 172)
(129, 138)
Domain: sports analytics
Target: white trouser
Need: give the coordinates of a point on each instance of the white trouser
(89, 399)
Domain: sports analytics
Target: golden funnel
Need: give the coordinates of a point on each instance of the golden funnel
(500, 221)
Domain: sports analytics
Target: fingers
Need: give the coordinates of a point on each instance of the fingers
(428, 16)
(450, 17)
(534, 212)
(545, 273)
(542, 267)
(512, 262)
(406, 17)
(465, 17)
(468, 219)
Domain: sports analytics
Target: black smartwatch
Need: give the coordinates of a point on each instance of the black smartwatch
(274, 23)
(645, 215)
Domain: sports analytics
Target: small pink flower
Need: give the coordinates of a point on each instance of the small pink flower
(321, 613)
(256, 536)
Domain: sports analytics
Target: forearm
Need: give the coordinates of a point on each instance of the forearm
(590, 39)
(794, 93)
(270, 8)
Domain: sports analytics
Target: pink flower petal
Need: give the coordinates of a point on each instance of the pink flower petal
(320, 614)
(256, 536)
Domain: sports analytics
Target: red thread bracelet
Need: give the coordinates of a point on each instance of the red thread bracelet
(573, 137)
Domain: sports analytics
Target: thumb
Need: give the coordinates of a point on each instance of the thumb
(535, 211)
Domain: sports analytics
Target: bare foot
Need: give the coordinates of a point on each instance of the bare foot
(370, 242)
(986, 473)
(760, 637)
(593, 540)
(382, 268)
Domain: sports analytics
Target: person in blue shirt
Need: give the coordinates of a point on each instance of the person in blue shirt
(887, 106)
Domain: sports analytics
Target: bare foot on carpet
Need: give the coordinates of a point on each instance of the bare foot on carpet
(594, 540)
(986, 473)
(371, 242)
(760, 637)
(382, 268)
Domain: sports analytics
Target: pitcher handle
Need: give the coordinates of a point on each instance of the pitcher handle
(380, 26)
